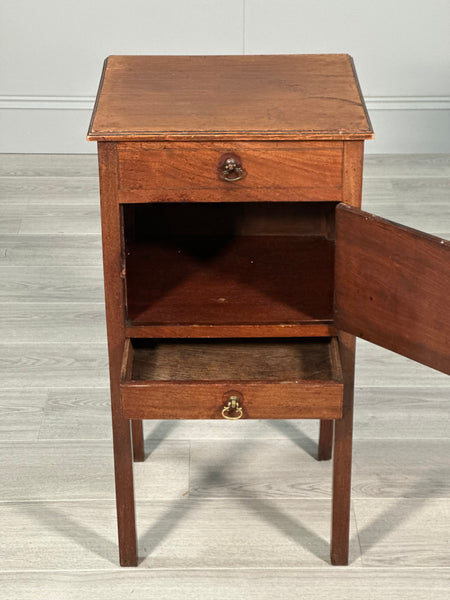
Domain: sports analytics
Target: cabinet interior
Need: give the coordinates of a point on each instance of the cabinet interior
(229, 263)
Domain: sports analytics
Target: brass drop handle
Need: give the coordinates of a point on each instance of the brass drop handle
(232, 170)
(232, 407)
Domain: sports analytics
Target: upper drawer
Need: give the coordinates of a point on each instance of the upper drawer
(216, 172)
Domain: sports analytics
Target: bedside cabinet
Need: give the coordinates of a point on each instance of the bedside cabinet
(238, 266)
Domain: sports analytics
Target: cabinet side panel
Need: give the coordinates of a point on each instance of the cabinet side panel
(392, 286)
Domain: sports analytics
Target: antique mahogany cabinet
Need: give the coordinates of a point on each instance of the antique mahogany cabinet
(238, 265)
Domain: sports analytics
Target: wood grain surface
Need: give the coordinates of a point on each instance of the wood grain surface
(230, 281)
(193, 172)
(237, 97)
(114, 305)
(182, 584)
(254, 360)
(206, 400)
(392, 286)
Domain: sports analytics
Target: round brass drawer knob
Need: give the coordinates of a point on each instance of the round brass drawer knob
(232, 170)
(232, 410)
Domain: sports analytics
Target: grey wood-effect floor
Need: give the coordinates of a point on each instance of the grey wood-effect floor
(225, 509)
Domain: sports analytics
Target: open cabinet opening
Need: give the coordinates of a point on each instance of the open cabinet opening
(229, 264)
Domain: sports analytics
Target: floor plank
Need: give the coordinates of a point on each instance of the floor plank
(64, 535)
(75, 219)
(51, 284)
(287, 468)
(258, 469)
(402, 413)
(406, 165)
(49, 190)
(68, 470)
(404, 532)
(53, 365)
(430, 216)
(77, 414)
(401, 468)
(423, 191)
(426, 194)
(229, 583)
(48, 165)
(377, 367)
(40, 322)
(50, 250)
(11, 218)
(376, 191)
(21, 414)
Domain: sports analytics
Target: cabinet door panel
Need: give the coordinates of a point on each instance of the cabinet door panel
(392, 286)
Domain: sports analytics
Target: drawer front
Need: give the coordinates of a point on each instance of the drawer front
(209, 400)
(215, 172)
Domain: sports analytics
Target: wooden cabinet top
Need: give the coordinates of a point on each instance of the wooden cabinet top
(281, 97)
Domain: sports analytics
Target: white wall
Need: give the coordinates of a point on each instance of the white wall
(52, 53)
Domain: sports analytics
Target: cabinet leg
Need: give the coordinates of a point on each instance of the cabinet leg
(341, 492)
(112, 235)
(325, 440)
(123, 470)
(342, 458)
(137, 432)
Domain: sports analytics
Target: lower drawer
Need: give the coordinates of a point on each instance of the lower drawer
(215, 379)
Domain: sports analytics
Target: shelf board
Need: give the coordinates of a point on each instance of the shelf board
(235, 281)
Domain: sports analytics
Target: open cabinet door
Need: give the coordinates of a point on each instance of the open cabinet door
(392, 286)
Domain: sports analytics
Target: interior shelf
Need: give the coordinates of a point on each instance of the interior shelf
(230, 280)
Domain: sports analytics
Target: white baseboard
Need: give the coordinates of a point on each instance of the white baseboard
(58, 124)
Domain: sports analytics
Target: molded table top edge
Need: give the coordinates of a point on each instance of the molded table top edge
(280, 90)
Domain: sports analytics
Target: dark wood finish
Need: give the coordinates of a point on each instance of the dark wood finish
(137, 433)
(173, 400)
(352, 172)
(160, 220)
(242, 359)
(242, 280)
(206, 257)
(213, 330)
(325, 448)
(114, 300)
(229, 220)
(192, 380)
(393, 287)
(192, 172)
(217, 195)
(343, 428)
(222, 97)
(342, 457)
